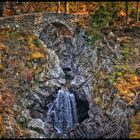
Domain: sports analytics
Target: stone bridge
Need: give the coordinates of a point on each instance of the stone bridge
(36, 22)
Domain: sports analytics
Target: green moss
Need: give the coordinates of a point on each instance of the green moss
(125, 51)
(36, 42)
(22, 121)
(120, 70)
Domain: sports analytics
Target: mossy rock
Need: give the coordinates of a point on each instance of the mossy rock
(22, 121)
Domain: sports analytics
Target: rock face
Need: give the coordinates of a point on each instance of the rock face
(36, 124)
(92, 107)
(75, 55)
(82, 64)
(54, 70)
(68, 64)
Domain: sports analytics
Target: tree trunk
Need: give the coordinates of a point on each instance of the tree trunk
(137, 11)
(126, 10)
(1, 9)
(58, 6)
(66, 7)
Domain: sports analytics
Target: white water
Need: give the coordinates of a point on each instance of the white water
(63, 111)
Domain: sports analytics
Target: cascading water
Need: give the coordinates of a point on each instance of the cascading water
(63, 111)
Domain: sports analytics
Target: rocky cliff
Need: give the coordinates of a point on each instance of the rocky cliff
(104, 79)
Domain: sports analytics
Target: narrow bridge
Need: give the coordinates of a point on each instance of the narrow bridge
(37, 22)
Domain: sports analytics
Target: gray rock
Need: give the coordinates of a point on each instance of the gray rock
(62, 81)
(37, 125)
(34, 134)
(29, 103)
(78, 80)
(52, 82)
(54, 69)
(36, 114)
(26, 113)
(49, 130)
(41, 92)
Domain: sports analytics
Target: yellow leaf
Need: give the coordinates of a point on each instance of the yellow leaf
(37, 55)
(32, 46)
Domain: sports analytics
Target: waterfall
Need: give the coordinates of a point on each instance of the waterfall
(62, 112)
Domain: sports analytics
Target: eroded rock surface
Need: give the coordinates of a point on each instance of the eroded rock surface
(89, 72)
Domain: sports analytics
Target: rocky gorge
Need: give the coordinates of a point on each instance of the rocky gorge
(73, 89)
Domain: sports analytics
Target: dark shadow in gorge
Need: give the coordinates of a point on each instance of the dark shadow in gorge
(82, 110)
(82, 107)
(68, 74)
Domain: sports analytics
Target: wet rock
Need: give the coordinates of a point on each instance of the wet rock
(77, 131)
(52, 82)
(62, 81)
(42, 91)
(34, 134)
(37, 125)
(49, 130)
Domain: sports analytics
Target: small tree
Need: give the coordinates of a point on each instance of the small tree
(66, 7)
(58, 6)
(137, 11)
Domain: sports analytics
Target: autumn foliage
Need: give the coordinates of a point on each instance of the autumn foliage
(128, 86)
(135, 126)
(22, 57)
(6, 112)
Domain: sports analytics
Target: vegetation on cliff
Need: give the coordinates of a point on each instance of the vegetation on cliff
(23, 57)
